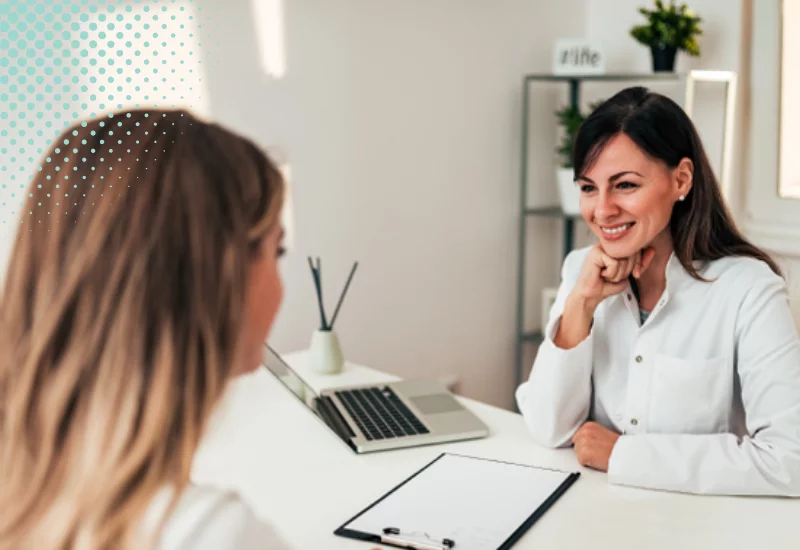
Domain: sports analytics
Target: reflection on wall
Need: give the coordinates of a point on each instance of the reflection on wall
(268, 15)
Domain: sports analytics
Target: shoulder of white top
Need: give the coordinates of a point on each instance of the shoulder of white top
(740, 269)
(204, 513)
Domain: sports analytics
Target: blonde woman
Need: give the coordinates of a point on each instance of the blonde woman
(144, 276)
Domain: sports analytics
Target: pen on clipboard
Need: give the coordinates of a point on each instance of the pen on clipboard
(393, 535)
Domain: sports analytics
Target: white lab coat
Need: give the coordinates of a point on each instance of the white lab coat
(706, 394)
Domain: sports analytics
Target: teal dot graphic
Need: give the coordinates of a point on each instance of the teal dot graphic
(65, 56)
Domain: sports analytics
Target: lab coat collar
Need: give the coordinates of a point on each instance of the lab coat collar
(675, 276)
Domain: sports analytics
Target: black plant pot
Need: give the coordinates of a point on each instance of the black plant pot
(663, 58)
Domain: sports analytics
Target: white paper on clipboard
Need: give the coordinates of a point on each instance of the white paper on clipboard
(477, 503)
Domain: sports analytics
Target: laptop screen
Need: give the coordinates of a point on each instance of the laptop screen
(321, 407)
(288, 377)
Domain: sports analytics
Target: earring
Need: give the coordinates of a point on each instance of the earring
(681, 198)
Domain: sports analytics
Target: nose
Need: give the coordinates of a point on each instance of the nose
(606, 208)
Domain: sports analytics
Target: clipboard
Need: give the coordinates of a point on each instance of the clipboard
(454, 502)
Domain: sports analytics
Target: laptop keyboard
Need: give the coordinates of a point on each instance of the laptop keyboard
(380, 414)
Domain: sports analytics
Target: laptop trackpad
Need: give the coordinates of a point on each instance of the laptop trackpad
(435, 404)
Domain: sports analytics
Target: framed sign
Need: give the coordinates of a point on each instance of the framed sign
(577, 57)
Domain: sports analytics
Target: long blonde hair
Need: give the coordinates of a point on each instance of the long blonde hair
(120, 318)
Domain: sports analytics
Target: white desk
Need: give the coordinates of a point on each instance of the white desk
(306, 482)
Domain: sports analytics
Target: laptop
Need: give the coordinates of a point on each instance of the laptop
(380, 417)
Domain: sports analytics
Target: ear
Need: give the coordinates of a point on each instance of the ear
(683, 175)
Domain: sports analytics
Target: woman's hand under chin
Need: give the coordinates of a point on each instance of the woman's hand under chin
(602, 276)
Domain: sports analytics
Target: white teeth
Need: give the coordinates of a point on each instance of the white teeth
(619, 229)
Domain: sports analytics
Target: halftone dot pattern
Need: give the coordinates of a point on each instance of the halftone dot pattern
(65, 60)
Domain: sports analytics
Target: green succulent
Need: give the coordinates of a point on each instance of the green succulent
(674, 26)
(570, 119)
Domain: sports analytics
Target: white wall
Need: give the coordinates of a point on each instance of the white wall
(401, 122)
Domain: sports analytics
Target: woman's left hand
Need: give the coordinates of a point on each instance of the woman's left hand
(593, 445)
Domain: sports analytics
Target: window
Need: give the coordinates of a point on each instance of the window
(789, 170)
(771, 214)
(268, 15)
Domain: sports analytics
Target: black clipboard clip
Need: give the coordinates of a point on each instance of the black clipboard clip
(415, 540)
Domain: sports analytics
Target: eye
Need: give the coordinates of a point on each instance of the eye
(587, 188)
(281, 251)
(627, 185)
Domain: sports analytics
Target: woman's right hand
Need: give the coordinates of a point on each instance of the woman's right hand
(601, 276)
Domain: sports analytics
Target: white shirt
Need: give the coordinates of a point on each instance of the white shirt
(207, 518)
(706, 393)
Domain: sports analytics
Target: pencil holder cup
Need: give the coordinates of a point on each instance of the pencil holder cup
(326, 354)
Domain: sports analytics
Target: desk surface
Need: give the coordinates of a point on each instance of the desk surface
(306, 482)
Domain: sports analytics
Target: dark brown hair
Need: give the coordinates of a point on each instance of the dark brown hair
(701, 226)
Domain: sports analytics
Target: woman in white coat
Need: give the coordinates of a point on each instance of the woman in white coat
(671, 359)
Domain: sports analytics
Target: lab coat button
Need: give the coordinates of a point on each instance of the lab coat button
(638, 358)
(634, 421)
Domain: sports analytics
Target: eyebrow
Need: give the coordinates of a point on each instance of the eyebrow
(614, 177)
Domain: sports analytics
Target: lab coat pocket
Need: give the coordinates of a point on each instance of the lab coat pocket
(690, 396)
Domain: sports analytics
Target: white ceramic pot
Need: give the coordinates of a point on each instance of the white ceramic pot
(568, 191)
(326, 354)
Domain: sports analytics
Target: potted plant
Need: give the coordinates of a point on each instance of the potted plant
(570, 119)
(669, 28)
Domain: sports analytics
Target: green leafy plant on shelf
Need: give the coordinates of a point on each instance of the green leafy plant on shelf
(671, 26)
(570, 119)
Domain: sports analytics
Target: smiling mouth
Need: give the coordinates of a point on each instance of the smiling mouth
(616, 229)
